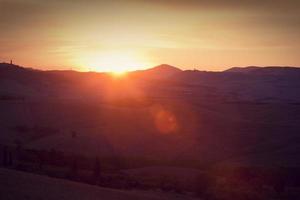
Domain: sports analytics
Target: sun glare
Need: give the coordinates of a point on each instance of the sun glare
(116, 62)
(118, 74)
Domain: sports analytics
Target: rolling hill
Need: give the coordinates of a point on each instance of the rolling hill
(162, 113)
(21, 185)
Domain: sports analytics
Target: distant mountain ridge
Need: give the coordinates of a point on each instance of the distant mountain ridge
(256, 68)
(167, 69)
(164, 68)
(236, 84)
(8, 66)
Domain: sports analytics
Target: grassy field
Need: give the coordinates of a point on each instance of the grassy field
(19, 185)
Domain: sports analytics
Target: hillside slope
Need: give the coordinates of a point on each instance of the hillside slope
(19, 185)
(220, 116)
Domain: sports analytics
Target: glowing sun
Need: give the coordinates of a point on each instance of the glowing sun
(116, 62)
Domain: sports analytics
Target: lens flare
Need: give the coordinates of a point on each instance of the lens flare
(165, 121)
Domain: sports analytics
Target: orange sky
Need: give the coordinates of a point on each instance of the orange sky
(135, 34)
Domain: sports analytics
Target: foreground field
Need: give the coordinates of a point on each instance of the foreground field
(20, 185)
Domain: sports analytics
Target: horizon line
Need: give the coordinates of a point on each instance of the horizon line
(144, 69)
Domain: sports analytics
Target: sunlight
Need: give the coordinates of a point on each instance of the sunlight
(118, 74)
(116, 62)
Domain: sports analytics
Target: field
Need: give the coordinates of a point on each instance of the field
(19, 185)
(167, 131)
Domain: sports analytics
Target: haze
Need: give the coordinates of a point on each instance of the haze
(128, 34)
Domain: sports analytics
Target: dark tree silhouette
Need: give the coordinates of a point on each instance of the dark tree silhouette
(97, 169)
(5, 156)
(10, 159)
(74, 168)
(19, 149)
(41, 160)
(279, 185)
(203, 184)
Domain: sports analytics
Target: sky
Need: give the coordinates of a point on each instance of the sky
(136, 34)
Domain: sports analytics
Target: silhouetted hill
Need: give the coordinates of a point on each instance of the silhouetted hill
(269, 69)
(164, 68)
(242, 69)
(162, 71)
(219, 115)
(250, 84)
(5, 67)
